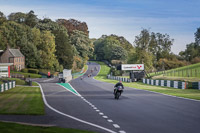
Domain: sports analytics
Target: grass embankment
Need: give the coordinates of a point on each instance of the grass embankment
(19, 128)
(189, 72)
(187, 79)
(22, 100)
(104, 71)
(187, 93)
(27, 75)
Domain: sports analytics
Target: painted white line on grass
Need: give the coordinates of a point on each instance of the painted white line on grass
(72, 117)
(116, 126)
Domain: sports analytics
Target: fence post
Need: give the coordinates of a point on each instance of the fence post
(175, 84)
(2, 87)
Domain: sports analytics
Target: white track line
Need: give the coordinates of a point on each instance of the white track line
(116, 126)
(72, 117)
(122, 132)
(110, 120)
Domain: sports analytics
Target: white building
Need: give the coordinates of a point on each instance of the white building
(5, 69)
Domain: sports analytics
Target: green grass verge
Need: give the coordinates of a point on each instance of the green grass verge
(187, 93)
(22, 100)
(186, 71)
(26, 75)
(105, 70)
(19, 128)
(189, 79)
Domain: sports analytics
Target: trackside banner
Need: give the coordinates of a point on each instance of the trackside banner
(132, 66)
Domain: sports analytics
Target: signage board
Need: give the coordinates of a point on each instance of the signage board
(132, 67)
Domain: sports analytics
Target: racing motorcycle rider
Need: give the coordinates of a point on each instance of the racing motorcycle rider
(117, 85)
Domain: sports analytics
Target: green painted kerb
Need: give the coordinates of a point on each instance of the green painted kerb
(67, 86)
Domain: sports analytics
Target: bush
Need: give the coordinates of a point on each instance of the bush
(25, 70)
(33, 71)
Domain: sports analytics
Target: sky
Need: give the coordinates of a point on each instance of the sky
(177, 18)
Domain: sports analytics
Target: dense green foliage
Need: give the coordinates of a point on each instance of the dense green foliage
(109, 48)
(83, 48)
(192, 52)
(44, 43)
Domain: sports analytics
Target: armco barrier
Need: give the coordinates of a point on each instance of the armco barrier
(119, 78)
(196, 85)
(168, 83)
(7, 86)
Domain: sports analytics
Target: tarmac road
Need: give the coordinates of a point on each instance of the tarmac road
(137, 111)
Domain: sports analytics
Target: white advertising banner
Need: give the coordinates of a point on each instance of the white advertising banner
(132, 66)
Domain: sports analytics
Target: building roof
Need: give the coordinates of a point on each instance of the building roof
(16, 53)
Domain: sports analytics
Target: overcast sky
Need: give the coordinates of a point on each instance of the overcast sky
(177, 18)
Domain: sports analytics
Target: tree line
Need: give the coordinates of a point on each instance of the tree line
(63, 43)
(150, 48)
(46, 44)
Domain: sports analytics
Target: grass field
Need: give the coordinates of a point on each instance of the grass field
(19, 128)
(187, 93)
(186, 71)
(22, 100)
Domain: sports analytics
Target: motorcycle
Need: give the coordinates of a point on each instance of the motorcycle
(118, 91)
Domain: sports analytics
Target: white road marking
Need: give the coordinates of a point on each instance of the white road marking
(105, 117)
(116, 126)
(72, 117)
(97, 110)
(101, 113)
(122, 131)
(110, 120)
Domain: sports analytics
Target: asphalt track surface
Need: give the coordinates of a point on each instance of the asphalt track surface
(137, 111)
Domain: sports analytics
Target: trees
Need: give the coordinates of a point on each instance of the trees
(197, 36)
(109, 48)
(64, 51)
(192, 52)
(83, 47)
(2, 18)
(20, 36)
(151, 47)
